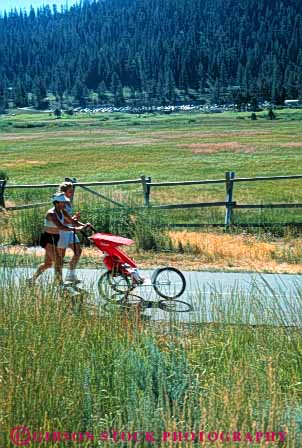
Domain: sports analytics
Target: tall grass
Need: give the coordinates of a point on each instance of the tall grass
(84, 372)
(68, 371)
(146, 226)
(117, 219)
(24, 226)
(255, 249)
(237, 248)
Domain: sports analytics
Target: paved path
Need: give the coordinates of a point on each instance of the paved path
(220, 297)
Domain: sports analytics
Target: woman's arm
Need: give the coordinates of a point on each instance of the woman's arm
(53, 217)
(70, 220)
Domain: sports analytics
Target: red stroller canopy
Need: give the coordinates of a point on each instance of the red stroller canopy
(109, 238)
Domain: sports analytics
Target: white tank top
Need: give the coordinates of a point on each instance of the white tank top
(48, 223)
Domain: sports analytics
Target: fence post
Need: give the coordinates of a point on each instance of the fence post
(146, 189)
(2, 187)
(148, 179)
(229, 177)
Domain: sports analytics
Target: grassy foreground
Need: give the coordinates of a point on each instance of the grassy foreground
(89, 372)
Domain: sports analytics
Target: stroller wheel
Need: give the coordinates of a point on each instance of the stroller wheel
(113, 287)
(168, 282)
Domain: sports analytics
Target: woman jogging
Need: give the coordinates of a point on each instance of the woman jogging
(54, 223)
(70, 239)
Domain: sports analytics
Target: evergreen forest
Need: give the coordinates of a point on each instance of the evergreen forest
(152, 52)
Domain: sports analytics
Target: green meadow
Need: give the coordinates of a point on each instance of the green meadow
(38, 148)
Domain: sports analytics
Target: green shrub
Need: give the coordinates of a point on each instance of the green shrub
(3, 175)
(29, 125)
(148, 232)
(271, 114)
(253, 116)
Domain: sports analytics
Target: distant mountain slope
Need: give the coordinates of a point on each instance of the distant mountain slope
(158, 49)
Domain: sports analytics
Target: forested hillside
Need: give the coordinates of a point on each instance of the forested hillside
(153, 51)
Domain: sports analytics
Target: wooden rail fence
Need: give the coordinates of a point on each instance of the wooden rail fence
(147, 185)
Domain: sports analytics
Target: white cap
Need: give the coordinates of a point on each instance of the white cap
(60, 198)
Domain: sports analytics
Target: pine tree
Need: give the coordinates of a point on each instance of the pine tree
(20, 95)
(40, 91)
(102, 91)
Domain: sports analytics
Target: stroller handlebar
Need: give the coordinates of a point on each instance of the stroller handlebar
(83, 232)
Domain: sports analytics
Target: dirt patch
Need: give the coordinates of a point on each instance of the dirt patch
(184, 135)
(18, 137)
(23, 162)
(210, 148)
(291, 145)
(135, 142)
(8, 203)
(48, 134)
(111, 142)
(226, 134)
(77, 132)
(34, 162)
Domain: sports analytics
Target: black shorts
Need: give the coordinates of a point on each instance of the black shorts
(49, 238)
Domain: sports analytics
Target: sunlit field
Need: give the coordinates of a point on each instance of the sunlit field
(98, 147)
(39, 148)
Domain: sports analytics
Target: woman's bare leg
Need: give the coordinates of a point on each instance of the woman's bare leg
(58, 259)
(77, 251)
(48, 261)
(73, 262)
